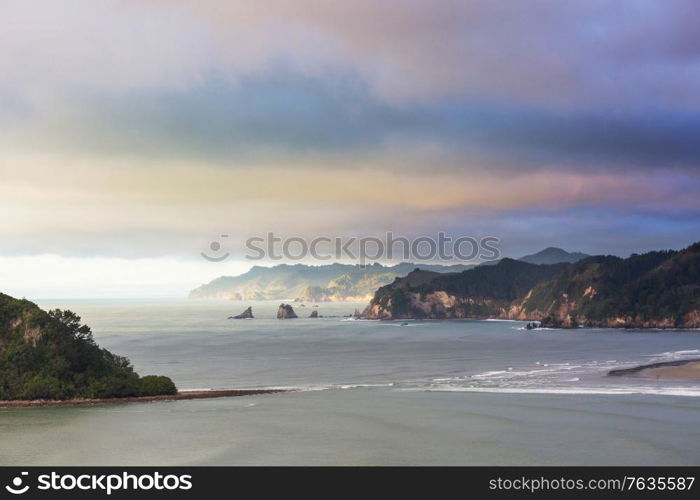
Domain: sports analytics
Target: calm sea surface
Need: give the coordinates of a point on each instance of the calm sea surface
(438, 392)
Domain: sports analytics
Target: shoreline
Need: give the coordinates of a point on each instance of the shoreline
(181, 395)
(687, 369)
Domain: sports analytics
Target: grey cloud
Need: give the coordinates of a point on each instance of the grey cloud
(290, 117)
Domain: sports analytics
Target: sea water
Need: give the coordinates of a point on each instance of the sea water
(368, 392)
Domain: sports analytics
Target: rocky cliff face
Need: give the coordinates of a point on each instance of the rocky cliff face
(30, 334)
(438, 305)
(483, 292)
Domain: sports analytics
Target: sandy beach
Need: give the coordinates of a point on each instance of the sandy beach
(686, 371)
(683, 369)
(142, 399)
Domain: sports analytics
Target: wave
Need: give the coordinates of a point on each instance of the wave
(361, 386)
(673, 355)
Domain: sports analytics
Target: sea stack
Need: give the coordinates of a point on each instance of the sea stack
(314, 314)
(286, 312)
(247, 314)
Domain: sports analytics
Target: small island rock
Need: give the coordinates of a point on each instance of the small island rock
(286, 311)
(247, 314)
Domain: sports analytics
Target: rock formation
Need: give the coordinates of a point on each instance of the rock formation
(247, 314)
(286, 311)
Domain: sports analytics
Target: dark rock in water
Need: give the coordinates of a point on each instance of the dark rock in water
(247, 314)
(314, 314)
(286, 311)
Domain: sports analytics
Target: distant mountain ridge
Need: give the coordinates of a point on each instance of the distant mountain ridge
(333, 282)
(337, 282)
(550, 255)
(653, 290)
(553, 255)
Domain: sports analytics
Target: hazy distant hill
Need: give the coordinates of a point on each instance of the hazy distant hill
(550, 255)
(553, 255)
(653, 290)
(333, 282)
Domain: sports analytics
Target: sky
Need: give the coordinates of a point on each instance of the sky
(135, 132)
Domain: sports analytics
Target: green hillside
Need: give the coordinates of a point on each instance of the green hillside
(51, 355)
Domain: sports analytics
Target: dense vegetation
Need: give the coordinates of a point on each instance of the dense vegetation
(642, 289)
(507, 280)
(51, 355)
(497, 284)
(656, 289)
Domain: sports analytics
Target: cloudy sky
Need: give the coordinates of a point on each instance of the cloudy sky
(134, 132)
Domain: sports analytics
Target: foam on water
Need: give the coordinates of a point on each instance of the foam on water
(627, 390)
(675, 355)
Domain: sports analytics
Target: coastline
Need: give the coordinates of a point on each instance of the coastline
(618, 327)
(181, 395)
(688, 369)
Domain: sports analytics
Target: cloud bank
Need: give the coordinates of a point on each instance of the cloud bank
(141, 129)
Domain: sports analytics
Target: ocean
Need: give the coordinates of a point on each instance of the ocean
(368, 393)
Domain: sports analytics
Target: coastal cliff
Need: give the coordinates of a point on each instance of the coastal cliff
(483, 292)
(653, 290)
